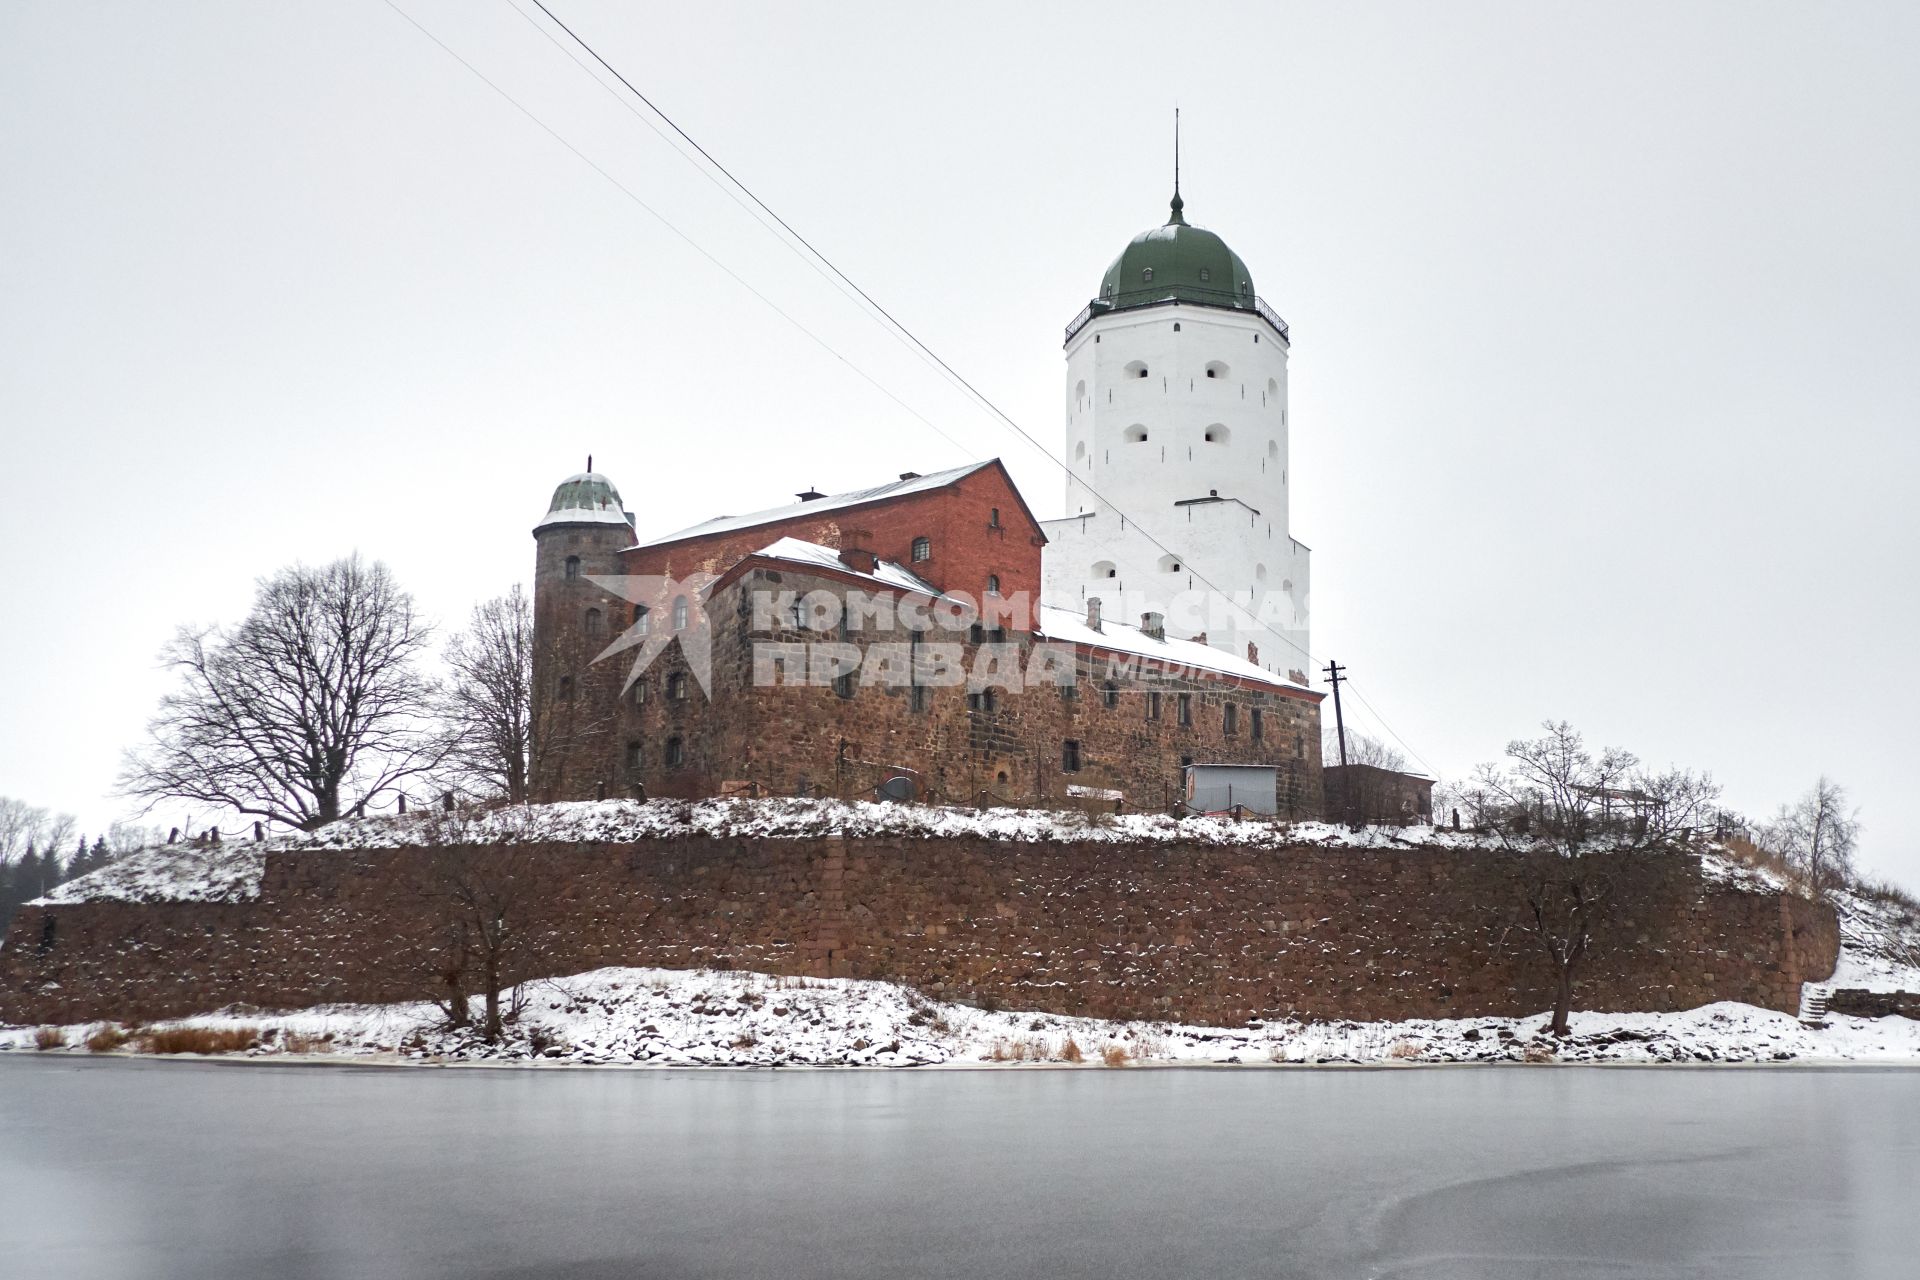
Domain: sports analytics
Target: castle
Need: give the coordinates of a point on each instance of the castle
(930, 638)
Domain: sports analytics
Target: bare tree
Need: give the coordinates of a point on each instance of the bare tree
(1362, 749)
(21, 825)
(312, 705)
(488, 701)
(1817, 834)
(480, 889)
(1574, 825)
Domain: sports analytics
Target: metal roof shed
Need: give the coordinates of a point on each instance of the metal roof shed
(1216, 788)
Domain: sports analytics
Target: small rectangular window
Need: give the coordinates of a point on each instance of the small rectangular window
(1070, 756)
(1153, 705)
(1257, 727)
(1230, 719)
(1186, 711)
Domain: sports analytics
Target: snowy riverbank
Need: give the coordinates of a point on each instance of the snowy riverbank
(669, 1018)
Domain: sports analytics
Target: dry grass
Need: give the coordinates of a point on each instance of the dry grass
(1404, 1049)
(198, 1039)
(1115, 1055)
(294, 1042)
(50, 1038)
(1007, 1049)
(1070, 1052)
(745, 1040)
(1537, 1053)
(107, 1038)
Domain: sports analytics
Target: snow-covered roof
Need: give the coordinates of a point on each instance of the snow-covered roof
(834, 502)
(586, 498)
(1067, 626)
(886, 573)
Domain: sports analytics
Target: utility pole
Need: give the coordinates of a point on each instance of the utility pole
(1334, 678)
(1340, 725)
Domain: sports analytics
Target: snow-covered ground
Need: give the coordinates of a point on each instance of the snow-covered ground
(671, 1018)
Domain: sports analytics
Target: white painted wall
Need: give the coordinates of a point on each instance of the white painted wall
(1129, 494)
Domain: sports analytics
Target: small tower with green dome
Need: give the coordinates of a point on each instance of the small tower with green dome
(581, 537)
(1177, 449)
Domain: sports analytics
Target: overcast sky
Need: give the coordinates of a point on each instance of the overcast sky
(1603, 391)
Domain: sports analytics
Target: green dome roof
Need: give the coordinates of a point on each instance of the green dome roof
(1177, 261)
(588, 498)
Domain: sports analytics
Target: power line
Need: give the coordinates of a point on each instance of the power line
(664, 221)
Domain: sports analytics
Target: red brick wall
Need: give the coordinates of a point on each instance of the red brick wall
(1203, 934)
(966, 546)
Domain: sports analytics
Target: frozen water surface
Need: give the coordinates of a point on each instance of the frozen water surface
(167, 1169)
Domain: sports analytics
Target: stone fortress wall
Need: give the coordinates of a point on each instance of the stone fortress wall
(1213, 934)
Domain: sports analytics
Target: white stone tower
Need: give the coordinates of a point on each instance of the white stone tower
(1177, 447)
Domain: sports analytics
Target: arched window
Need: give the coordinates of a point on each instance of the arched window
(595, 624)
(1217, 434)
(922, 549)
(1259, 573)
(1105, 569)
(677, 687)
(679, 613)
(1137, 369)
(1146, 275)
(676, 753)
(993, 584)
(1215, 369)
(1273, 449)
(1273, 389)
(1136, 434)
(1079, 450)
(642, 620)
(573, 568)
(1169, 564)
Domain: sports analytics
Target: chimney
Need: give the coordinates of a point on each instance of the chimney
(1154, 625)
(909, 475)
(1253, 653)
(854, 553)
(811, 495)
(1093, 613)
(1201, 638)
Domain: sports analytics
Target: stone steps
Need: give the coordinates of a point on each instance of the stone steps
(1813, 1004)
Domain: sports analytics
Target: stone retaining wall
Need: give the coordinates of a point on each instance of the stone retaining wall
(1211, 935)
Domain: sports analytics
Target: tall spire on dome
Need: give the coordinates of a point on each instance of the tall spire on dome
(1178, 203)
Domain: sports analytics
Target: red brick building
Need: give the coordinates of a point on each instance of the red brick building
(888, 638)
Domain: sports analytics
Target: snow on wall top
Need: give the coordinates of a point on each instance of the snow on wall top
(232, 872)
(169, 873)
(834, 502)
(1070, 627)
